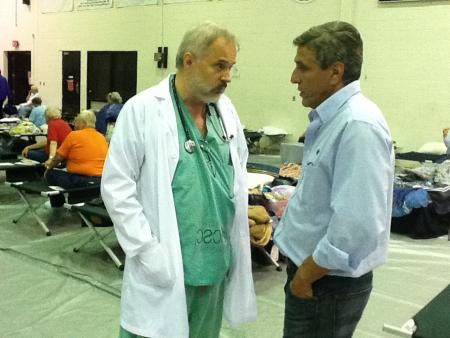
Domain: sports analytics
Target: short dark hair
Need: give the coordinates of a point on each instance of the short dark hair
(332, 42)
(36, 101)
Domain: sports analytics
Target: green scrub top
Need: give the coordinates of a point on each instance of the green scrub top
(202, 187)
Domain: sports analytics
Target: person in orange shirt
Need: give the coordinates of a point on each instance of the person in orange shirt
(84, 151)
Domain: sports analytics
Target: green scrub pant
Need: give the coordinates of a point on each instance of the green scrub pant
(204, 308)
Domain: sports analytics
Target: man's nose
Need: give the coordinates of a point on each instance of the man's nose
(295, 77)
(226, 75)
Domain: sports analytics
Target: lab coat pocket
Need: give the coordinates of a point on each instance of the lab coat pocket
(157, 268)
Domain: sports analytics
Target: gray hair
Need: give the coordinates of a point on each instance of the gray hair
(335, 41)
(53, 113)
(88, 117)
(114, 97)
(200, 38)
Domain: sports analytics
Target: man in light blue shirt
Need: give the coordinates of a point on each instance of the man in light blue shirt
(336, 227)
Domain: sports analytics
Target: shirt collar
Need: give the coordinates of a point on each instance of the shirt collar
(328, 108)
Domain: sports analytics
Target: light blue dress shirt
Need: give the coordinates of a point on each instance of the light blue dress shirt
(340, 212)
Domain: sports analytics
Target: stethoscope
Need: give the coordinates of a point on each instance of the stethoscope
(189, 144)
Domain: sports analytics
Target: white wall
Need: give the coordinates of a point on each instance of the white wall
(116, 29)
(406, 68)
(17, 22)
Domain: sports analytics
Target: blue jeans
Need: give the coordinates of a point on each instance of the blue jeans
(67, 180)
(333, 312)
(38, 155)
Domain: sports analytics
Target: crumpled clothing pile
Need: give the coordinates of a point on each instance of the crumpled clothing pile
(260, 225)
(437, 173)
(25, 127)
(406, 199)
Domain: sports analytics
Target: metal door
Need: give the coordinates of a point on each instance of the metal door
(70, 84)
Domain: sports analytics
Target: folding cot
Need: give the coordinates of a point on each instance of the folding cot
(40, 187)
(98, 210)
(432, 321)
(21, 170)
(6, 154)
(419, 157)
(14, 144)
(428, 221)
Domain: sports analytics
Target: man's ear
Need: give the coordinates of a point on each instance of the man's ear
(188, 59)
(337, 73)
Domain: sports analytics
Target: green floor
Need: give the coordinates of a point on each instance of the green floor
(48, 291)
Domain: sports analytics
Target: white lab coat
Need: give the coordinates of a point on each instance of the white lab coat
(136, 189)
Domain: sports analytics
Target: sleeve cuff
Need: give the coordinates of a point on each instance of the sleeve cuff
(330, 257)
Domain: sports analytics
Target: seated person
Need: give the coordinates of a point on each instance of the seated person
(5, 92)
(37, 115)
(57, 131)
(109, 112)
(24, 109)
(85, 152)
(446, 140)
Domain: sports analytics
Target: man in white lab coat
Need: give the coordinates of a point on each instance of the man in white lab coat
(174, 185)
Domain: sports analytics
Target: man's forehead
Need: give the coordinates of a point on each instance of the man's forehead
(222, 47)
(304, 53)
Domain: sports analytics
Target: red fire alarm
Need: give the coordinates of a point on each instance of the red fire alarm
(15, 44)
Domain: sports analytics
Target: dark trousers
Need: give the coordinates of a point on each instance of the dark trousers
(333, 312)
(38, 155)
(67, 180)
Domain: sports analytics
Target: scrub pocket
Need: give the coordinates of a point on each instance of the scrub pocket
(157, 268)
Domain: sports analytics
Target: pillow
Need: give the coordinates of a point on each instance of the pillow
(254, 180)
(436, 148)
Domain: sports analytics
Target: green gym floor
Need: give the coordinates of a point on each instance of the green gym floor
(49, 291)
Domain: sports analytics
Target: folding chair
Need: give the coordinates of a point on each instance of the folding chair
(74, 195)
(86, 210)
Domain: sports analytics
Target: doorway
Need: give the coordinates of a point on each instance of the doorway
(110, 71)
(19, 74)
(70, 84)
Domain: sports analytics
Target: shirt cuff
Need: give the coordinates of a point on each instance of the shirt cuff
(328, 256)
